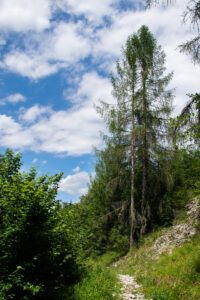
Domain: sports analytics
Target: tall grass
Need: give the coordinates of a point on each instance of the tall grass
(100, 283)
(171, 277)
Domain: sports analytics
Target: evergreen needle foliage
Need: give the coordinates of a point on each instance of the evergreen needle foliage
(138, 125)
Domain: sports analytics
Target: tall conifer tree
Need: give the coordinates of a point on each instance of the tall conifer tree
(142, 107)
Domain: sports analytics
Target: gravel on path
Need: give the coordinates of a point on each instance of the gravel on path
(130, 289)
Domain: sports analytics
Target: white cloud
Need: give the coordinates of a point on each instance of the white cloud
(94, 11)
(92, 87)
(13, 135)
(76, 170)
(8, 125)
(64, 45)
(44, 162)
(75, 184)
(32, 65)
(14, 98)
(67, 44)
(112, 38)
(168, 33)
(33, 113)
(34, 160)
(60, 48)
(24, 15)
(70, 132)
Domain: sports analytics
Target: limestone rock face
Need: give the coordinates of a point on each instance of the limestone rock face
(178, 234)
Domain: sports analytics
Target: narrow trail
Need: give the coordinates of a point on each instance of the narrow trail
(176, 236)
(130, 289)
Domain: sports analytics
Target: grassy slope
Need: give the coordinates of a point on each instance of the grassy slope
(99, 283)
(172, 276)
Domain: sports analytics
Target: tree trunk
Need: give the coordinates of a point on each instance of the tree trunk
(143, 201)
(132, 207)
(144, 161)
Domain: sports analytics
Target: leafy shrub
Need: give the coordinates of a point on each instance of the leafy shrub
(117, 241)
(36, 256)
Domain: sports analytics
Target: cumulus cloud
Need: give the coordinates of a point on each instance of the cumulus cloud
(76, 170)
(14, 98)
(94, 11)
(65, 45)
(169, 36)
(75, 184)
(29, 64)
(25, 15)
(13, 135)
(72, 132)
(68, 44)
(125, 23)
(68, 132)
(8, 125)
(91, 88)
(33, 113)
(57, 49)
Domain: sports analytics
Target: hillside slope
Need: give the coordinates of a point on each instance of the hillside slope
(166, 265)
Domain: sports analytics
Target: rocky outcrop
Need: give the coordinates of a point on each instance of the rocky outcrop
(178, 234)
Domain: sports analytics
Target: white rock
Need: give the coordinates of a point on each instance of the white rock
(130, 287)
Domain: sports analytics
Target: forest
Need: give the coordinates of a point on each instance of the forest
(146, 173)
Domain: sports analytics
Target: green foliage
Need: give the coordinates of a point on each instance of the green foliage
(185, 168)
(36, 255)
(197, 264)
(139, 116)
(165, 174)
(79, 220)
(107, 258)
(90, 234)
(186, 127)
(117, 241)
(161, 294)
(98, 284)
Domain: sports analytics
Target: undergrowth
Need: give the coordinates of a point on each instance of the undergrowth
(172, 276)
(99, 282)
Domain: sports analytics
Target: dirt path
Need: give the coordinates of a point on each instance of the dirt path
(130, 289)
(175, 236)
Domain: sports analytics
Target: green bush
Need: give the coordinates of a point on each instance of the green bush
(36, 256)
(117, 241)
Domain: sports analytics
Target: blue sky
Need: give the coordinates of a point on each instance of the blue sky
(55, 61)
